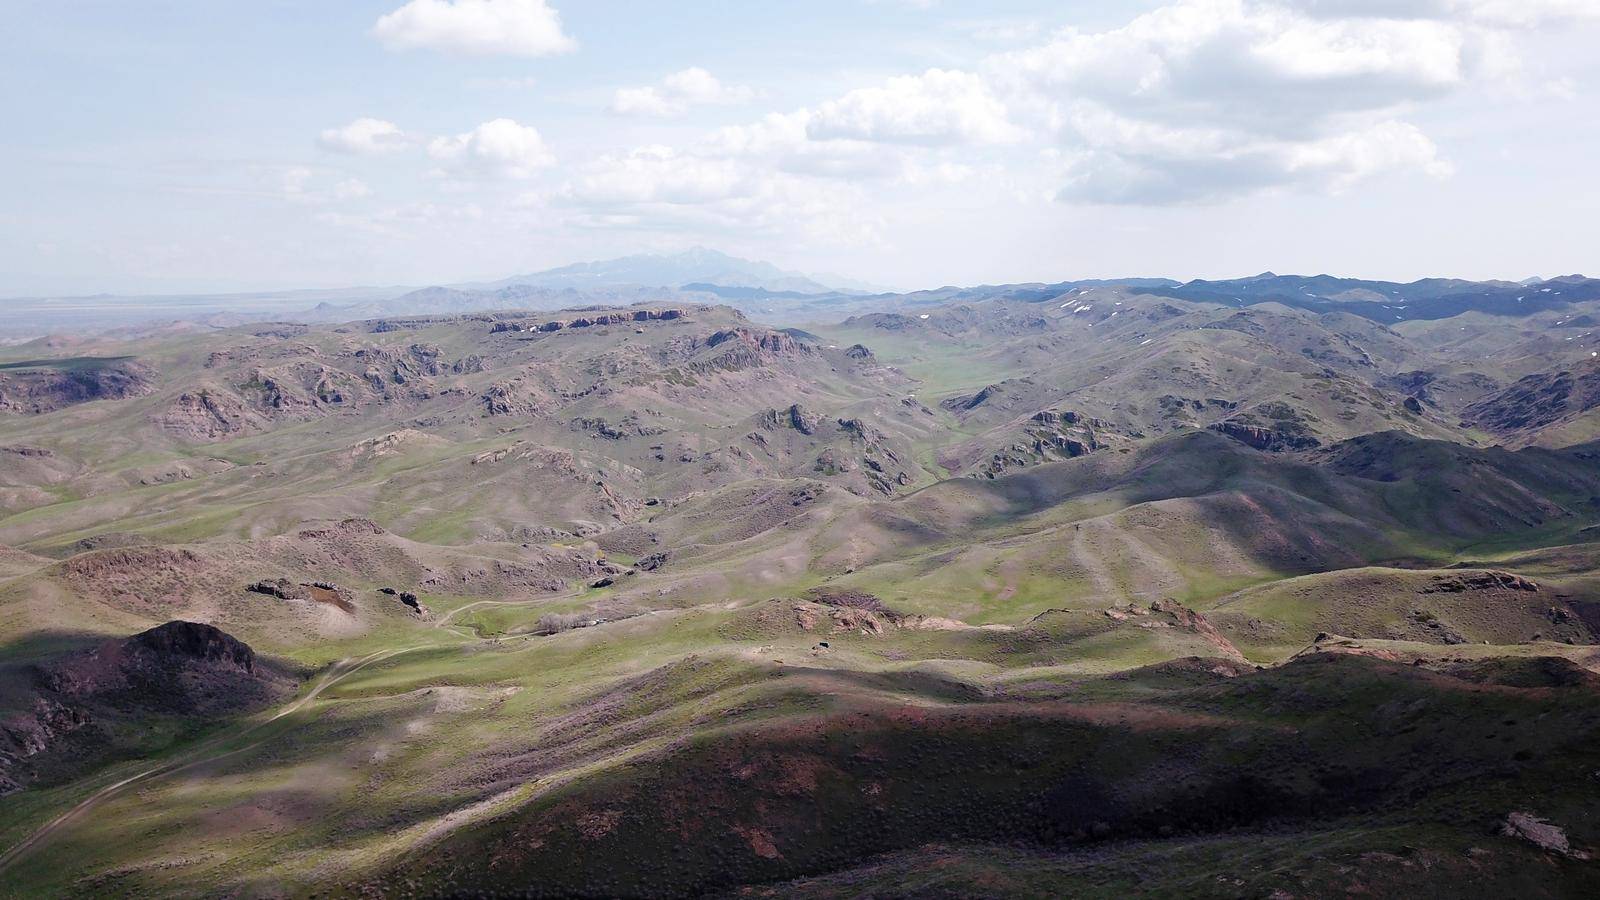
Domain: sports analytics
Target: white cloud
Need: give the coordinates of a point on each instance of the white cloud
(475, 28)
(1197, 101)
(1245, 64)
(657, 174)
(294, 180)
(936, 107)
(1123, 161)
(663, 188)
(498, 149)
(782, 142)
(1531, 13)
(303, 186)
(351, 189)
(366, 137)
(1501, 13)
(1204, 100)
(678, 93)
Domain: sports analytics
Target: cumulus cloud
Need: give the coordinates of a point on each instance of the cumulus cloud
(1197, 101)
(783, 141)
(1203, 100)
(678, 93)
(500, 149)
(364, 137)
(475, 28)
(1130, 162)
(664, 187)
(936, 107)
(1251, 65)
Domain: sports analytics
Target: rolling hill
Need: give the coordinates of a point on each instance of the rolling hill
(1087, 589)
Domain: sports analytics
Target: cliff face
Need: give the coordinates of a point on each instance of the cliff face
(46, 387)
(593, 320)
(72, 712)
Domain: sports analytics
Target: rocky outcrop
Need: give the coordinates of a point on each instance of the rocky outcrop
(1538, 401)
(180, 644)
(281, 588)
(973, 401)
(1169, 613)
(843, 611)
(629, 427)
(862, 433)
(860, 352)
(70, 718)
(1273, 427)
(1266, 438)
(743, 348)
(48, 385)
(305, 592)
(33, 731)
(390, 444)
(412, 603)
(1480, 581)
(207, 414)
(517, 397)
(795, 417)
(277, 394)
(1536, 831)
(1051, 418)
(771, 341)
(593, 320)
(1188, 412)
(384, 370)
(1048, 436)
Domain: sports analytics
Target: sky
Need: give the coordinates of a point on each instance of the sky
(171, 146)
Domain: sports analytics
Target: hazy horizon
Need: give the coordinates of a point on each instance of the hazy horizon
(291, 292)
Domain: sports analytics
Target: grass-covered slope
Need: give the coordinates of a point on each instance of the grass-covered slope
(1102, 595)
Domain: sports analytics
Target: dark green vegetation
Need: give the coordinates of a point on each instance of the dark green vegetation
(1088, 592)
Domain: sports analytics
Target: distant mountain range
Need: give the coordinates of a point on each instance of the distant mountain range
(1380, 301)
(694, 275)
(698, 265)
(765, 291)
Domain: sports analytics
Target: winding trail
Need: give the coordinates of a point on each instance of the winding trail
(199, 755)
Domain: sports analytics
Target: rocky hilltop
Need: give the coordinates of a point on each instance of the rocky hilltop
(81, 703)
